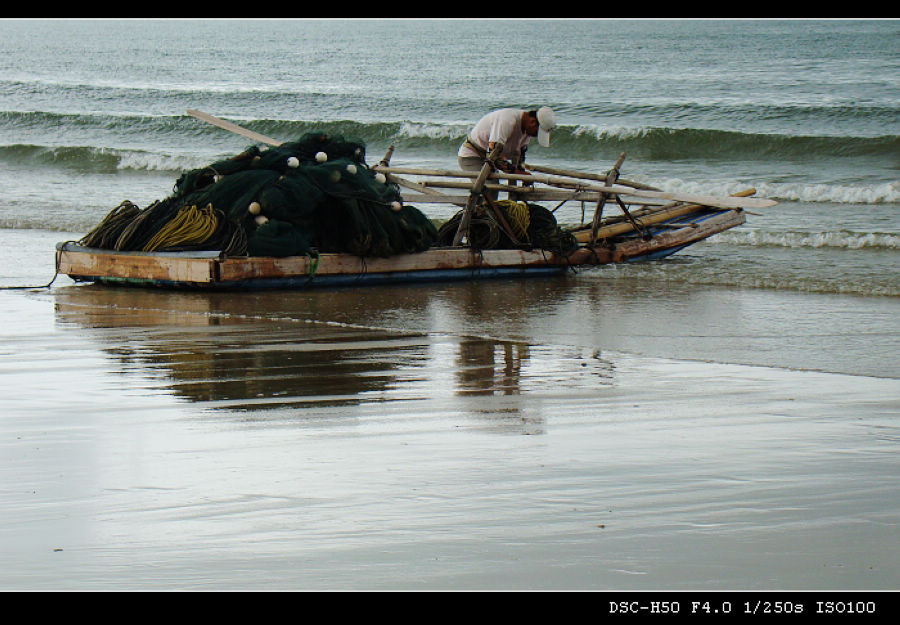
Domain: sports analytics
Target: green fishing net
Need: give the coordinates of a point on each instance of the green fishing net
(316, 193)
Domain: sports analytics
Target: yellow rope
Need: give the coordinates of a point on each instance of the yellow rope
(518, 216)
(190, 225)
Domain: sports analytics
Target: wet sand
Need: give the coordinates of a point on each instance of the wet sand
(159, 440)
(594, 432)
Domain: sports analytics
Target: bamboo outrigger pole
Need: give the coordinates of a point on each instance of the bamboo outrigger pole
(611, 178)
(386, 161)
(221, 123)
(544, 169)
(474, 194)
(726, 202)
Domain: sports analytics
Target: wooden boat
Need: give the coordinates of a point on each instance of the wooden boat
(211, 269)
(649, 224)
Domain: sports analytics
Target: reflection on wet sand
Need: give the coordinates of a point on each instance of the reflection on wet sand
(280, 351)
(378, 438)
(477, 366)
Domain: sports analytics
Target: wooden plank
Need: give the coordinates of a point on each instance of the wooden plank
(137, 266)
(678, 238)
(647, 220)
(236, 269)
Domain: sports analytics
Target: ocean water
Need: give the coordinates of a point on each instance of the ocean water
(806, 112)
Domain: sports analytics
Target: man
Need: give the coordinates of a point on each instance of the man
(513, 129)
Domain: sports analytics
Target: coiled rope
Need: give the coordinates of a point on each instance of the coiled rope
(107, 232)
(518, 216)
(531, 223)
(191, 225)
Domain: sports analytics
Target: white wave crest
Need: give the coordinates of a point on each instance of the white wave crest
(877, 193)
(432, 131)
(840, 239)
(673, 273)
(881, 193)
(150, 161)
(614, 132)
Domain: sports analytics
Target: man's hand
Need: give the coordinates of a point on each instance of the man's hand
(504, 165)
(522, 170)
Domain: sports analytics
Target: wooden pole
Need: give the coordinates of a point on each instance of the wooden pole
(386, 161)
(410, 184)
(706, 200)
(431, 194)
(474, 194)
(561, 174)
(575, 192)
(221, 123)
(646, 235)
(611, 178)
(588, 176)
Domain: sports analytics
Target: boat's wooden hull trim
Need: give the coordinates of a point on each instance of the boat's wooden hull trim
(211, 270)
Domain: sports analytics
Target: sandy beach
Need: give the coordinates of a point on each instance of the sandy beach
(547, 434)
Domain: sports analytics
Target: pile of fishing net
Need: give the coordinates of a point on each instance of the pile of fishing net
(316, 193)
(533, 225)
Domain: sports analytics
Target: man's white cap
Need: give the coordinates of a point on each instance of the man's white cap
(547, 122)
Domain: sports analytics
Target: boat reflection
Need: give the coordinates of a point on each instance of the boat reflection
(339, 348)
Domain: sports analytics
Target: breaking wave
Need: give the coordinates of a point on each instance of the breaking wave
(840, 240)
(93, 143)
